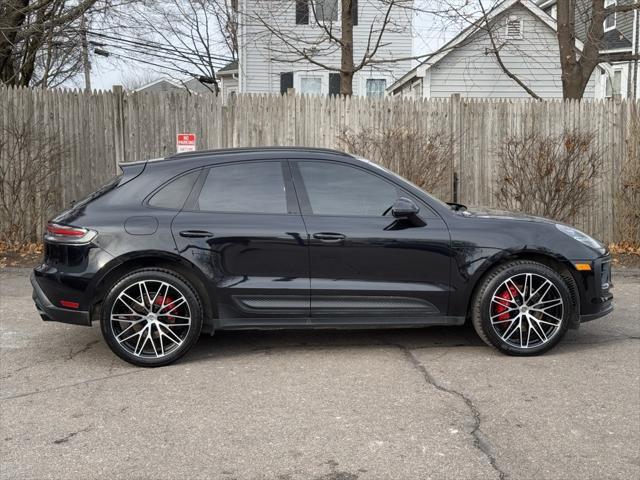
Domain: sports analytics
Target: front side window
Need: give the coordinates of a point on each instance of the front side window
(251, 187)
(338, 189)
(610, 21)
(376, 87)
(311, 85)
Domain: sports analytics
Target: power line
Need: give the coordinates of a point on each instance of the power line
(172, 58)
(201, 78)
(157, 46)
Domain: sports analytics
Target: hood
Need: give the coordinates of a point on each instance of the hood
(494, 213)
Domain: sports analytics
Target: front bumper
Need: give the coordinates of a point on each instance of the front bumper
(50, 313)
(595, 286)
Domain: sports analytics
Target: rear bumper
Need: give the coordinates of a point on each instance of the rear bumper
(50, 313)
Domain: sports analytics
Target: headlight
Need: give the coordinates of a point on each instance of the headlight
(581, 237)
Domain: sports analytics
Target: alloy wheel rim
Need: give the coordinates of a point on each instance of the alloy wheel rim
(526, 310)
(150, 319)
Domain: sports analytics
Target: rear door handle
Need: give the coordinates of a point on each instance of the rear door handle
(329, 237)
(195, 234)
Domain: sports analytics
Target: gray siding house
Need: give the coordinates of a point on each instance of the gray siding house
(621, 34)
(267, 63)
(467, 66)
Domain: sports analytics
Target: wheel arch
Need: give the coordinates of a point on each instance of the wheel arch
(119, 266)
(557, 263)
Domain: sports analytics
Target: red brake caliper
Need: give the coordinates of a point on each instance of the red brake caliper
(167, 301)
(508, 293)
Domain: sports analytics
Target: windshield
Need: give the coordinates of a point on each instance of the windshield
(404, 180)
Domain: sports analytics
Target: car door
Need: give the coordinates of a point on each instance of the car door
(367, 267)
(242, 226)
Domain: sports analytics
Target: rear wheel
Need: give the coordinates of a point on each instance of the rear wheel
(522, 308)
(151, 317)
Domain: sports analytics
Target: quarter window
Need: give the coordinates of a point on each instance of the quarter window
(174, 194)
(337, 189)
(251, 187)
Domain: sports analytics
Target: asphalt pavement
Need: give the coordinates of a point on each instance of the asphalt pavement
(431, 403)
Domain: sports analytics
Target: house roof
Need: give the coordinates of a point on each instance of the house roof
(500, 8)
(615, 40)
(229, 68)
(159, 81)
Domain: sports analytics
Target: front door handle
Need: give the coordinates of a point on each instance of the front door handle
(195, 234)
(329, 237)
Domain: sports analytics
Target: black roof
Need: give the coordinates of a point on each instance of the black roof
(614, 39)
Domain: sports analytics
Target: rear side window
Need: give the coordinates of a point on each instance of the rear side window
(251, 187)
(175, 193)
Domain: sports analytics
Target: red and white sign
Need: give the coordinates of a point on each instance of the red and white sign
(186, 142)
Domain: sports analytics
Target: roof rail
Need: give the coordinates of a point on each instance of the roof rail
(200, 153)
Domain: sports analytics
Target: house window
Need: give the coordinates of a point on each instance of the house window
(514, 28)
(311, 85)
(326, 10)
(553, 12)
(614, 85)
(376, 87)
(610, 21)
(302, 12)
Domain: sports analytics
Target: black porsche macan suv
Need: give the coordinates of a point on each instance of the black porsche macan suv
(305, 238)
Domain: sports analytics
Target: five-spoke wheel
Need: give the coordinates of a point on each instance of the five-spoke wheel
(151, 317)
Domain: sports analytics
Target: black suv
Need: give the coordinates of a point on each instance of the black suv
(305, 238)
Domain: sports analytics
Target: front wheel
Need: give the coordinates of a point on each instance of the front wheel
(522, 308)
(151, 317)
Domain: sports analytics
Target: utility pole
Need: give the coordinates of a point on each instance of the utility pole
(85, 55)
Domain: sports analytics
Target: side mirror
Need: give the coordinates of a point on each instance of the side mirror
(404, 208)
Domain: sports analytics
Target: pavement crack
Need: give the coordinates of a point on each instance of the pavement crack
(73, 354)
(71, 385)
(476, 432)
(69, 436)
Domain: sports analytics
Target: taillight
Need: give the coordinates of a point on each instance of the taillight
(65, 234)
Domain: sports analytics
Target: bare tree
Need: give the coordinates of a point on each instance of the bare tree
(40, 40)
(176, 37)
(549, 176)
(29, 176)
(577, 67)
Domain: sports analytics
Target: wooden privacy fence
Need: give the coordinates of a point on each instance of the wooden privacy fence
(97, 130)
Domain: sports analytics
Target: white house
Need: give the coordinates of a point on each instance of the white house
(528, 46)
(272, 33)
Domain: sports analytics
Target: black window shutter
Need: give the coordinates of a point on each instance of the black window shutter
(302, 12)
(334, 84)
(286, 81)
(354, 11)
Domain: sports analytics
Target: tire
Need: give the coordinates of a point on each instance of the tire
(522, 308)
(151, 317)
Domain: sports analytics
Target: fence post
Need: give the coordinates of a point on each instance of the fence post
(119, 124)
(455, 131)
